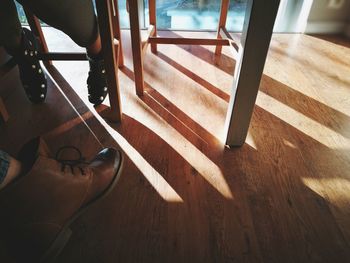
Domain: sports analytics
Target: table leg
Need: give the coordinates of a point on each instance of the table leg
(256, 37)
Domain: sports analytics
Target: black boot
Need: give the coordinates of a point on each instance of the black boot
(32, 75)
(97, 82)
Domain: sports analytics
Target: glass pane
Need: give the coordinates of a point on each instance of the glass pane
(197, 14)
(236, 13)
(123, 14)
(203, 14)
(21, 15)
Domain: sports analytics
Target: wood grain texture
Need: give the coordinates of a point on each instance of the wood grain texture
(184, 197)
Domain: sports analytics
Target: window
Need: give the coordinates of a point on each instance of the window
(197, 14)
(21, 14)
(204, 14)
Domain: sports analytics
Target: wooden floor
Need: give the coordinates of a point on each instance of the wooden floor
(183, 196)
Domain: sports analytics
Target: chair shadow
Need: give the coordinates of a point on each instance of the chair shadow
(270, 217)
(314, 109)
(329, 117)
(269, 194)
(116, 233)
(27, 119)
(319, 153)
(215, 90)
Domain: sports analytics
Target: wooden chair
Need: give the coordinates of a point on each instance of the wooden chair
(223, 38)
(108, 18)
(252, 50)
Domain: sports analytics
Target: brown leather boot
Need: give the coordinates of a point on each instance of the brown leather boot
(38, 209)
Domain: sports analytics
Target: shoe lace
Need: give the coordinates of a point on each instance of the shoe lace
(71, 163)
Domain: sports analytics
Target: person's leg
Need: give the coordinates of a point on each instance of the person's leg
(78, 20)
(21, 44)
(94, 49)
(10, 27)
(10, 168)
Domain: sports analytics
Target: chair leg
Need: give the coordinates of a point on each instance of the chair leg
(222, 22)
(35, 26)
(110, 54)
(136, 46)
(153, 21)
(117, 33)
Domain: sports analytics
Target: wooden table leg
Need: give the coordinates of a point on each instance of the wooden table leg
(256, 37)
(110, 54)
(222, 22)
(136, 46)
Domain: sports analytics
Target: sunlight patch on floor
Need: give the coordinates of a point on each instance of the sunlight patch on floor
(336, 190)
(199, 161)
(153, 177)
(162, 187)
(302, 123)
(320, 69)
(198, 65)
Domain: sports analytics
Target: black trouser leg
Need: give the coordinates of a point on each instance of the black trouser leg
(74, 17)
(10, 27)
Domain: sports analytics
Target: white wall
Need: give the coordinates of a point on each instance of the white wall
(325, 19)
(288, 17)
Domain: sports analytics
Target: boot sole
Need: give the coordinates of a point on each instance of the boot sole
(63, 237)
